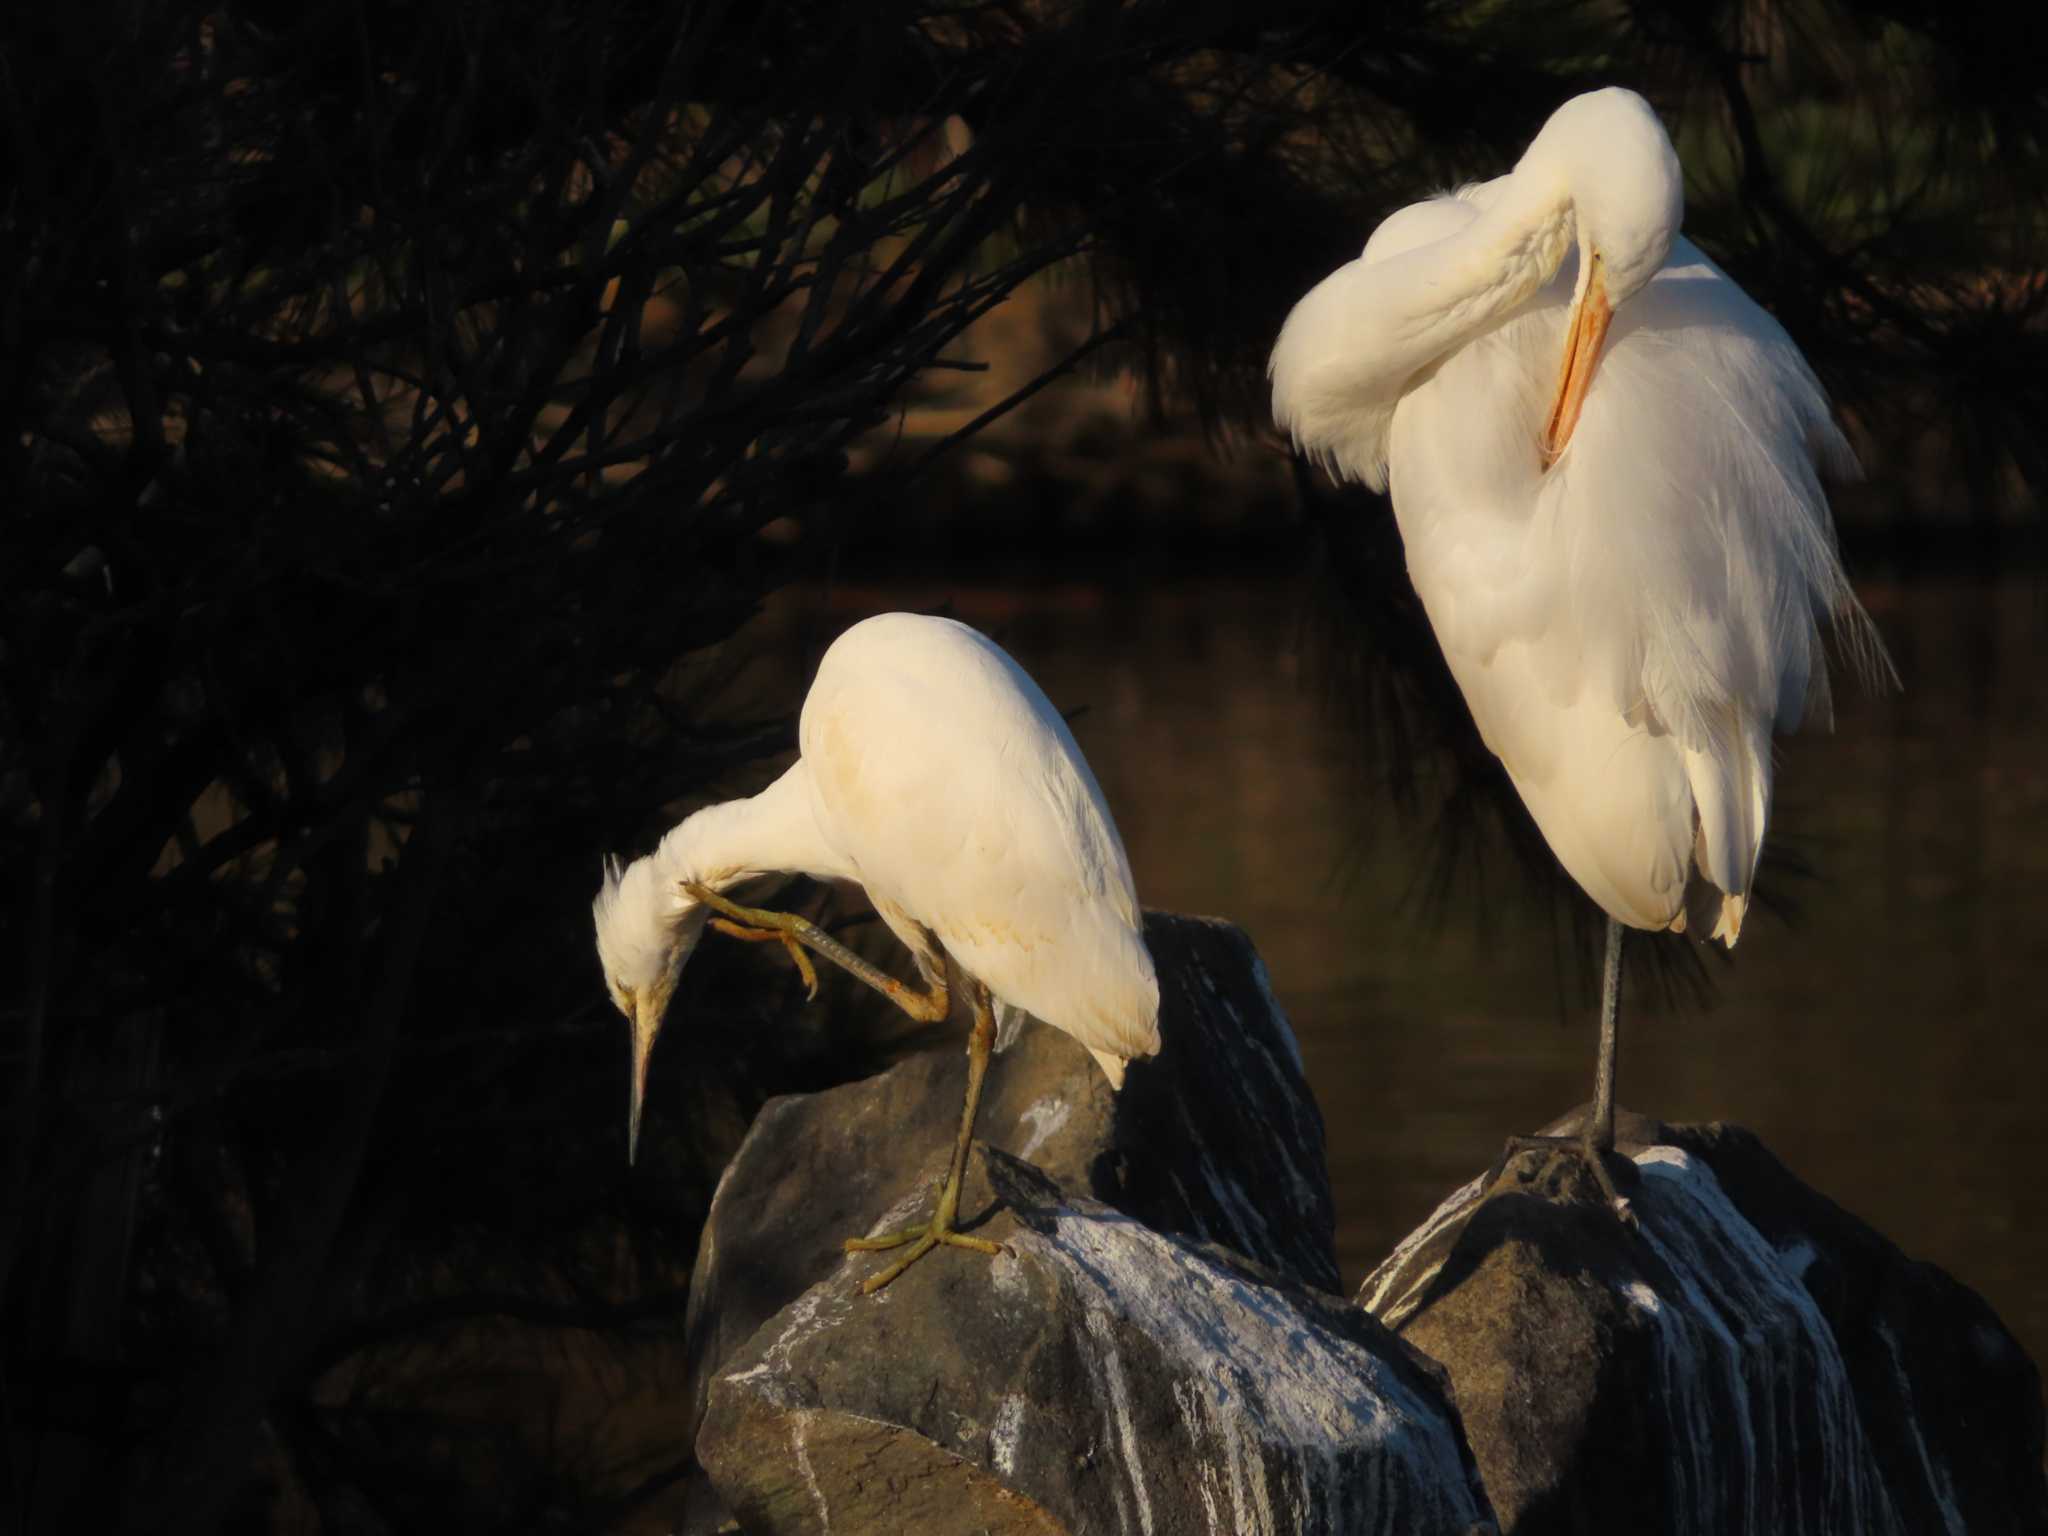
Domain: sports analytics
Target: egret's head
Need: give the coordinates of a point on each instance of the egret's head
(1607, 154)
(646, 928)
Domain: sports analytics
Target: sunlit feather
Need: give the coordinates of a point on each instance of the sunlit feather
(934, 772)
(1629, 624)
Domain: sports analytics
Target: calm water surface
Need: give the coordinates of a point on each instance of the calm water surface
(1888, 1044)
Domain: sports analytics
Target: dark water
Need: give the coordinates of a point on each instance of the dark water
(1888, 1044)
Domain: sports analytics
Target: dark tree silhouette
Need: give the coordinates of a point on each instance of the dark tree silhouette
(405, 405)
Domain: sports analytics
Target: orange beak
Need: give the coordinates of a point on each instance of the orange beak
(1582, 341)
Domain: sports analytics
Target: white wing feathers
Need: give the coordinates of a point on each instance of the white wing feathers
(972, 811)
(1731, 792)
(1694, 492)
(1636, 620)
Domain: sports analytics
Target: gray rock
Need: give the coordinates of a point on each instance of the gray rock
(1097, 1376)
(1217, 1138)
(1755, 1360)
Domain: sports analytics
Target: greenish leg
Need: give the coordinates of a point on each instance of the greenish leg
(926, 1007)
(939, 1230)
(757, 925)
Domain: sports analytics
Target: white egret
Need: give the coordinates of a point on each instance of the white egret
(1604, 461)
(933, 771)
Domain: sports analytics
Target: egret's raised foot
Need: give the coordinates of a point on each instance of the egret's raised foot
(756, 924)
(1578, 1146)
(922, 1238)
(773, 936)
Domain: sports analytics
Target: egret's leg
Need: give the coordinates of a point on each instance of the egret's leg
(757, 925)
(1600, 1122)
(923, 1239)
(926, 1007)
(1596, 1136)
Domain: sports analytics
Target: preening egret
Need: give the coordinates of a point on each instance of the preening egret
(933, 771)
(1604, 460)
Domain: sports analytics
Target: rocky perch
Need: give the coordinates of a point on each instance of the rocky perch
(1159, 1348)
(1095, 1376)
(1753, 1358)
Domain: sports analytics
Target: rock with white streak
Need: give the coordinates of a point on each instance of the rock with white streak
(1754, 1360)
(1217, 1138)
(1097, 1376)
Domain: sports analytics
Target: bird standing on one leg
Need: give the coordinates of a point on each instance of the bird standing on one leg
(1606, 475)
(933, 771)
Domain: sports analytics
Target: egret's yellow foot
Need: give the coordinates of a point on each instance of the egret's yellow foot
(774, 936)
(887, 1240)
(922, 1240)
(756, 925)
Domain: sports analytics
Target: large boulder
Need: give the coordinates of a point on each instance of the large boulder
(1753, 1359)
(1217, 1138)
(1096, 1376)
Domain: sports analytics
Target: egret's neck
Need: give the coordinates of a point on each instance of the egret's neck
(1354, 343)
(774, 832)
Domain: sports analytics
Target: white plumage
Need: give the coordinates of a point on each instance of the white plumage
(1630, 622)
(945, 782)
(934, 772)
(1604, 459)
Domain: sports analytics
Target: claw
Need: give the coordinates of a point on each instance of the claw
(804, 967)
(886, 1240)
(1575, 1146)
(922, 1241)
(798, 934)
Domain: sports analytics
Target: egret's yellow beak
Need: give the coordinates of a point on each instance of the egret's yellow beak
(1591, 316)
(648, 1011)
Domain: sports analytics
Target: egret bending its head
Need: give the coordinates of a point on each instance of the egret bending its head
(935, 773)
(1604, 459)
(646, 929)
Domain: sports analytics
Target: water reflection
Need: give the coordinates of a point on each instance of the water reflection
(1886, 1043)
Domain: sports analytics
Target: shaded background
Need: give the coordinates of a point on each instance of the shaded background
(440, 440)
